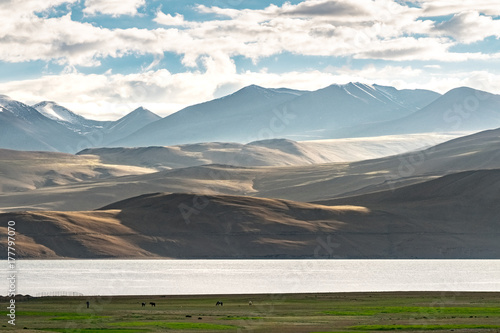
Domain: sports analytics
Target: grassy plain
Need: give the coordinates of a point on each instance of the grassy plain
(338, 312)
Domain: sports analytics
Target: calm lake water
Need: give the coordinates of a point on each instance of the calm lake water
(176, 277)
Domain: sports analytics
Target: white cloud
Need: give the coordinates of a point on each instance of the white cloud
(12, 9)
(169, 20)
(469, 27)
(110, 96)
(448, 7)
(379, 29)
(360, 29)
(113, 7)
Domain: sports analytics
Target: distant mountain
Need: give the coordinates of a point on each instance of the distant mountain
(460, 109)
(104, 131)
(24, 128)
(272, 152)
(277, 152)
(325, 113)
(220, 120)
(68, 118)
(129, 123)
(256, 113)
(48, 126)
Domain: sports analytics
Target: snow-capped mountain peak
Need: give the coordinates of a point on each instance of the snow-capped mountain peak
(57, 112)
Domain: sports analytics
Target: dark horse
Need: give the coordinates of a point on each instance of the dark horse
(152, 303)
(143, 304)
(219, 303)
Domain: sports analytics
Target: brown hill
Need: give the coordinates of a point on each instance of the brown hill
(450, 217)
(298, 183)
(28, 170)
(179, 226)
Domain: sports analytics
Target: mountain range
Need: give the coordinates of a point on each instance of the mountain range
(47, 126)
(254, 113)
(407, 195)
(306, 183)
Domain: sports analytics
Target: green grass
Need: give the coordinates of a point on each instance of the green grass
(240, 318)
(50, 314)
(290, 313)
(93, 330)
(421, 327)
(177, 325)
(424, 311)
(79, 317)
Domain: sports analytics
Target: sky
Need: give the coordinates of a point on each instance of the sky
(104, 58)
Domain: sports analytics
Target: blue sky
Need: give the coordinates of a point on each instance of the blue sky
(103, 58)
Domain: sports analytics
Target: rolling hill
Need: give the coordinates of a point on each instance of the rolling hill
(273, 152)
(436, 221)
(299, 183)
(24, 171)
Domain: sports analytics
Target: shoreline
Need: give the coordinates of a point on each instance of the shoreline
(235, 295)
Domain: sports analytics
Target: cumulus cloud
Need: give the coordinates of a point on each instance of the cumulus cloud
(380, 29)
(113, 7)
(357, 29)
(11, 9)
(469, 27)
(328, 8)
(169, 20)
(110, 96)
(449, 7)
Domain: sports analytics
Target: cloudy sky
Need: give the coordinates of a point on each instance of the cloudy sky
(102, 58)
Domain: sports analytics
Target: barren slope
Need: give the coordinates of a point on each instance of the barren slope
(438, 220)
(300, 183)
(22, 170)
(275, 152)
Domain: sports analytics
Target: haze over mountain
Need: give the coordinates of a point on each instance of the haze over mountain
(24, 128)
(274, 152)
(129, 123)
(24, 171)
(440, 202)
(256, 113)
(48, 126)
(460, 109)
(69, 119)
(299, 183)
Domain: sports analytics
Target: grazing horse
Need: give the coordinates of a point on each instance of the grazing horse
(143, 304)
(152, 304)
(219, 303)
(249, 302)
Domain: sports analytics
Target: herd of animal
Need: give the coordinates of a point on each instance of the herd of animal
(153, 304)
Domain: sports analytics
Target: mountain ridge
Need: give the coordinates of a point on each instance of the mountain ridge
(47, 126)
(255, 113)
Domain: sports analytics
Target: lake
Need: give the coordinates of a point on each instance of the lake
(181, 277)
